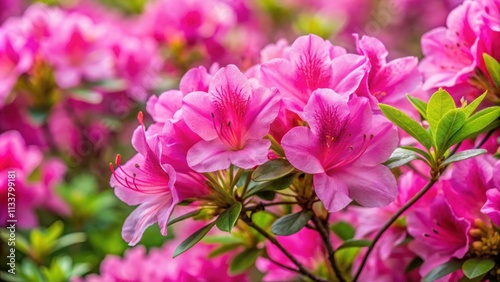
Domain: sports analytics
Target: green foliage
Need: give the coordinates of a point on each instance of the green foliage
(244, 260)
(448, 125)
(291, 223)
(400, 157)
(228, 218)
(475, 267)
(271, 170)
(343, 230)
(493, 67)
(193, 239)
(354, 243)
(442, 270)
(273, 185)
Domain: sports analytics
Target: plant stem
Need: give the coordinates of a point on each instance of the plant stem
(275, 242)
(435, 176)
(391, 221)
(323, 230)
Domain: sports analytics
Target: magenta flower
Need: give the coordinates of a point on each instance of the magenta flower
(491, 13)
(439, 234)
(343, 149)
(231, 118)
(492, 206)
(15, 59)
(146, 182)
(449, 52)
(79, 51)
(388, 82)
(312, 63)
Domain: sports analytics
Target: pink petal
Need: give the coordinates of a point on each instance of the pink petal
(348, 71)
(383, 144)
(68, 77)
(370, 186)
(332, 191)
(197, 112)
(229, 80)
(302, 150)
(208, 156)
(321, 102)
(253, 154)
(164, 107)
(262, 111)
(196, 79)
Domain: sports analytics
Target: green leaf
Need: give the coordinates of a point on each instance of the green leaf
(85, 95)
(68, 240)
(354, 243)
(182, 217)
(343, 230)
(464, 155)
(469, 109)
(442, 270)
(244, 261)
(290, 223)
(266, 195)
(476, 124)
(493, 67)
(414, 264)
(228, 218)
(272, 169)
(222, 249)
(418, 151)
(406, 123)
(273, 185)
(447, 126)
(193, 239)
(222, 240)
(475, 267)
(418, 104)
(400, 157)
(439, 104)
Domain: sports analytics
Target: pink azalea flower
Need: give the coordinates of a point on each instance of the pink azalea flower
(146, 182)
(30, 194)
(312, 63)
(231, 118)
(466, 189)
(343, 149)
(79, 51)
(139, 63)
(15, 59)
(449, 52)
(305, 245)
(491, 13)
(387, 82)
(439, 234)
(492, 206)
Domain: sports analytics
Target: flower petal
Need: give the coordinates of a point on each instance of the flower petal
(253, 154)
(197, 112)
(302, 150)
(208, 156)
(332, 191)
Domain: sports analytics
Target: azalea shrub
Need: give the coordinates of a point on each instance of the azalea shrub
(250, 140)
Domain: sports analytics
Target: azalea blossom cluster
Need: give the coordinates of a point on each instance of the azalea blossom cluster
(463, 55)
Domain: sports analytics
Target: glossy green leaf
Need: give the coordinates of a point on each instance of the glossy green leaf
(68, 240)
(272, 169)
(406, 123)
(222, 249)
(451, 123)
(343, 230)
(476, 124)
(422, 153)
(222, 239)
(244, 261)
(193, 239)
(460, 156)
(273, 185)
(469, 109)
(493, 67)
(228, 218)
(475, 267)
(291, 223)
(418, 104)
(400, 157)
(442, 270)
(184, 216)
(439, 104)
(354, 244)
